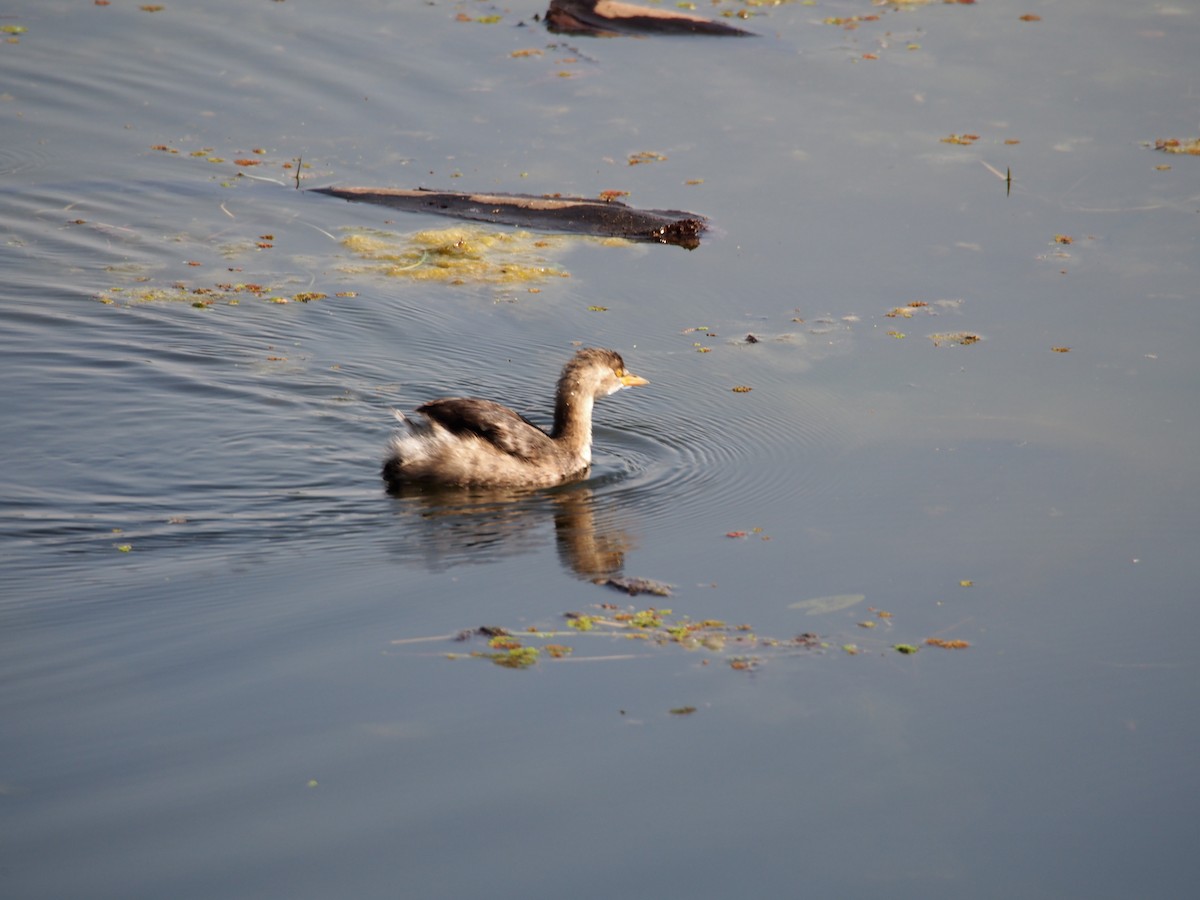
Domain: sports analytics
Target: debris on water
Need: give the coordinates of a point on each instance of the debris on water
(547, 212)
(1190, 146)
(635, 586)
(645, 156)
(954, 338)
(757, 531)
(607, 18)
(946, 644)
(653, 629)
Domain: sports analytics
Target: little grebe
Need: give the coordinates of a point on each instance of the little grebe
(466, 441)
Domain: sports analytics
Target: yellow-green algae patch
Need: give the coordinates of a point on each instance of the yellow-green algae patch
(592, 635)
(205, 297)
(456, 255)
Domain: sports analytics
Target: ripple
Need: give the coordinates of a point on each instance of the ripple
(18, 160)
(764, 446)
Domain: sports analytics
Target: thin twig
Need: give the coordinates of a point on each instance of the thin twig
(262, 178)
(993, 169)
(322, 230)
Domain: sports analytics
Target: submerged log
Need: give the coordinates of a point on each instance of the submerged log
(575, 215)
(608, 18)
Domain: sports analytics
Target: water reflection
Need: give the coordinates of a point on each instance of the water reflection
(444, 527)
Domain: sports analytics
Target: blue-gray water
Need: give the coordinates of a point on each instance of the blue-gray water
(201, 578)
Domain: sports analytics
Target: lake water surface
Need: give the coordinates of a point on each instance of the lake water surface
(209, 679)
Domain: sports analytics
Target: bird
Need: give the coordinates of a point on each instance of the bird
(466, 441)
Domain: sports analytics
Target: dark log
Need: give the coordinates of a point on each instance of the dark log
(575, 215)
(607, 18)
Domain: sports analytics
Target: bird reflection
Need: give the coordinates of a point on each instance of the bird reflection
(448, 527)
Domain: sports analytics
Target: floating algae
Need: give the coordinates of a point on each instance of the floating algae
(457, 255)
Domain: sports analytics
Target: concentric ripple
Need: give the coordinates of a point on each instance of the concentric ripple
(757, 446)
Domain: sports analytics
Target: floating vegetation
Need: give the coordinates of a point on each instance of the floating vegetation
(965, 140)
(906, 311)
(515, 658)
(849, 23)
(223, 293)
(456, 255)
(652, 628)
(756, 531)
(482, 20)
(580, 623)
(243, 161)
(1190, 146)
(645, 156)
(954, 338)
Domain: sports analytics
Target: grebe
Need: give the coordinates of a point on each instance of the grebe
(467, 441)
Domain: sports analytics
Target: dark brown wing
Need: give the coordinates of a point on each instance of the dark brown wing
(498, 425)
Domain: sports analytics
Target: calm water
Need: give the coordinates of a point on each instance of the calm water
(202, 578)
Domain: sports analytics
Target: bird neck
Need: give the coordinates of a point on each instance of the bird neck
(573, 418)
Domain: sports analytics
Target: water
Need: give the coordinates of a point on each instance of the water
(202, 578)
